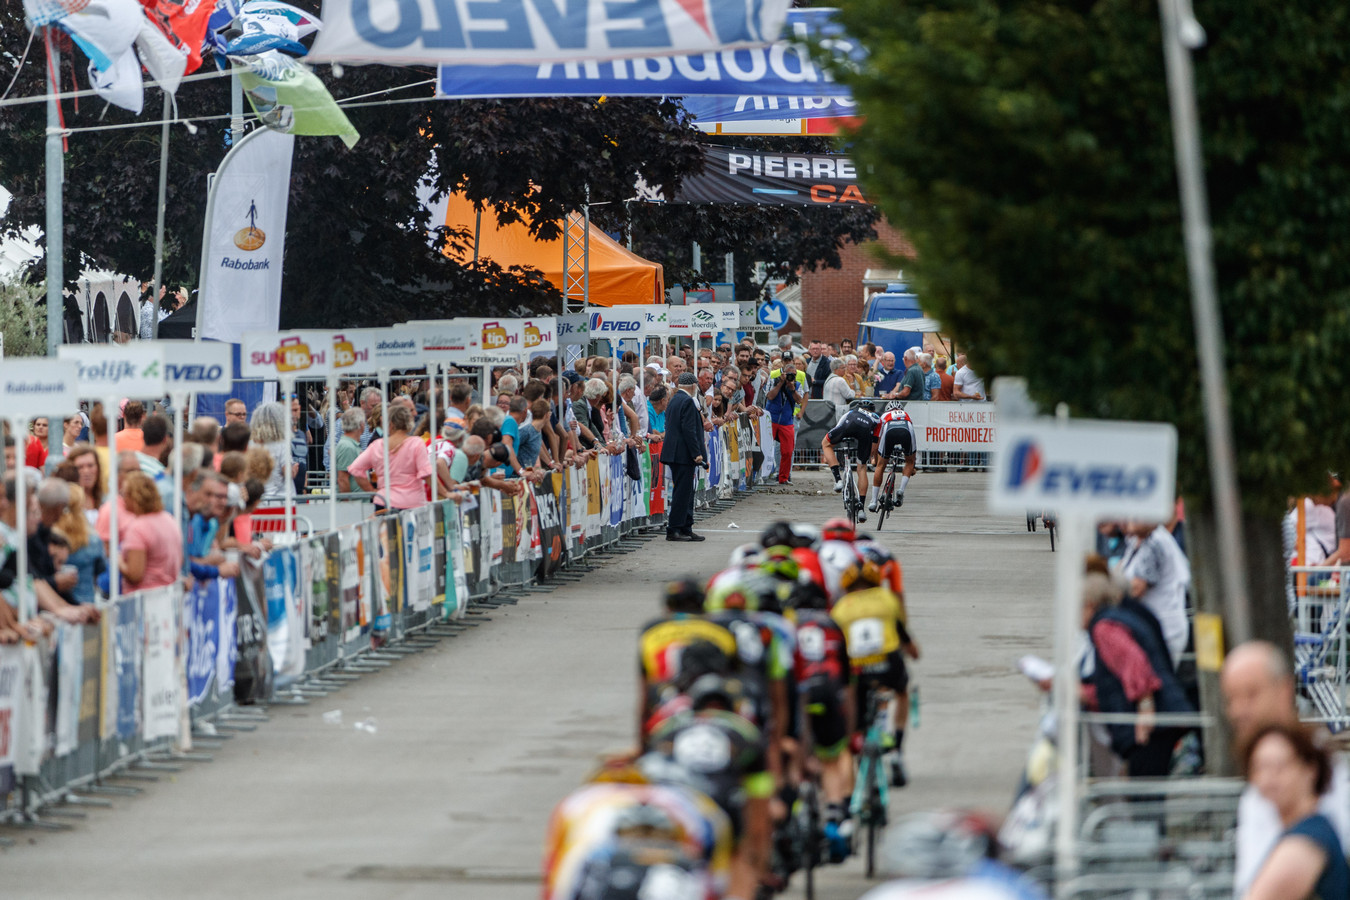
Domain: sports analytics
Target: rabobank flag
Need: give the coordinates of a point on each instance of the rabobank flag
(784, 68)
(246, 237)
(399, 32)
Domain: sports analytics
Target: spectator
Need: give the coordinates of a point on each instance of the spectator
(98, 433)
(1133, 674)
(234, 438)
(89, 472)
(966, 385)
(629, 421)
(1341, 556)
(127, 463)
(71, 426)
(235, 411)
(1157, 575)
(129, 438)
(817, 369)
(206, 505)
(911, 384)
(946, 381)
(675, 367)
(837, 390)
(300, 441)
(205, 431)
(152, 553)
(352, 424)
(1292, 772)
(370, 408)
(510, 433)
(529, 441)
(887, 377)
(786, 389)
(48, 600)
(272, 433)
(35, 450)
(155, 435)
(932, 383)
(451, 461)
(460, 395)
(846, 347)
(857, 375)
(683, 450)
(409, 467)
(598, 416)
(656, 411)
(83, 553)
(53, 497)
(1258, 690)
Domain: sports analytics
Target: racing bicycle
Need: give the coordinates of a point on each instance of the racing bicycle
(845, 453)
(871, 787)
(886, 502)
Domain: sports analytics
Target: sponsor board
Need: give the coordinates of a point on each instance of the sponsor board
(133, 370)
(198, 366)
(38, 387)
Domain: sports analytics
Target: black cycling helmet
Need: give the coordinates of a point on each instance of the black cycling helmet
(710, 690)
(777, 534)
(684, 595)
(860, 403)
(699, 660)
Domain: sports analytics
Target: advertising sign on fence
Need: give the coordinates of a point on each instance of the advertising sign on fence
(286, 354)
(541, 334)
(108, 370)
(205, 366)
(158, 668)
(444, 340)
(954, 427)
(399, 347)
(703, 318)
(573, 329)
(38, 387)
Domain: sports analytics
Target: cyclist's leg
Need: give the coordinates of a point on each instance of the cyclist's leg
(750, 863)
(864, 454)
(827, 455)
(905, 439)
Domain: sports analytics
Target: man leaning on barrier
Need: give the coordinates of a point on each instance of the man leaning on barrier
(1258, 690)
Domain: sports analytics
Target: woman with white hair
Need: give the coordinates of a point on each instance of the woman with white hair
(271, 430)
(837, 389)
(596, 393)
(629, 422)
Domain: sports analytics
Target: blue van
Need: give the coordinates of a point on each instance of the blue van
(896, 302)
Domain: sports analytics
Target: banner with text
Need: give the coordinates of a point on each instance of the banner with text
(769, 179)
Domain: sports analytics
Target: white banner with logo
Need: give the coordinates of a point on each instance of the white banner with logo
(399, 32)
(129, 370)
(541, 334)
(198, 366)
(159, 692)
(241, 283)
(953, 427)
(38, 387)
(286, 354)
(701, 318)
(627, 322)
(443, 340)
(573, 329)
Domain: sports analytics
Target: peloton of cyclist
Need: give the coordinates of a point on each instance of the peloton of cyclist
(895, 431)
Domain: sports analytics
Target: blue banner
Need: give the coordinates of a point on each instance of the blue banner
(202, 613)
(759, 107)
(781, 69)
(127, 665)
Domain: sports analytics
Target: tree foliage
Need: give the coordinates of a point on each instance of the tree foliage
(1025, 148)
(23, 318)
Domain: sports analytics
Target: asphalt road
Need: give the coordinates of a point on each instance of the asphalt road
(476, 739)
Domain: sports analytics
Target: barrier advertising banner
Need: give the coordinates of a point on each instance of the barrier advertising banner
(780, 69)
(253, 665)
(202, 612)
(731, 175)
(11, 682)
(69, 684)
(398, 32)
(246, 240)
(160, 708)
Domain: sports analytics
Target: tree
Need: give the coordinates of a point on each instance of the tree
(23, 318)
(1025, 147)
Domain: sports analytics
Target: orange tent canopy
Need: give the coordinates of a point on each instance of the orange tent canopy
(618, 276)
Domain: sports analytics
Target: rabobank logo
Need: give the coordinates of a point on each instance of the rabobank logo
(250, 238)
(1026, 464)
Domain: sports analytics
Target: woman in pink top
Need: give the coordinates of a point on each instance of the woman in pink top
(409, 467)
(152, 551)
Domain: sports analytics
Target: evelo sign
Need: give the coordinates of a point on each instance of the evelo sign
(131, 370)
(191, 366)
(626, 322)
(1093, 469)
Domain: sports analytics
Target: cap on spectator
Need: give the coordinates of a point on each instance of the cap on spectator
(688, 379)
(658, 368)
(572, 377)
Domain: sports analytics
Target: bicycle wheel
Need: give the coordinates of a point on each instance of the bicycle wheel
(851, 496)
(1050, 527)
(873, 816)
(811, 837)
(887, 498)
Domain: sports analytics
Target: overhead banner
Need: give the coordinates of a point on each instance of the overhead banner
(768, 179)
(246, 239)
(781, 69)
(761, 107)
(833, 127)
(399, 32)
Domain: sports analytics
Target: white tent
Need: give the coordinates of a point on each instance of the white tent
(924, 324)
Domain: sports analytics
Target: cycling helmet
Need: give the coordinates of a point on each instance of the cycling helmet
(684, 595)
(747, 555)
(940, 845)
(776, 534)
(860, 403)
(647, 821)
(838, 529)
(731, 593)
(780, 563)
(861, 575)
(808, 567)
(875, 552)
(804, 535)
(895, 405)
(714, 690)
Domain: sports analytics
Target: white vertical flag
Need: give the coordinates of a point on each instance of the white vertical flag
(241, 284)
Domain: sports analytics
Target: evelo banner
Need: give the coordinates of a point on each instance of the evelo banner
(399, 32)
(627, 322)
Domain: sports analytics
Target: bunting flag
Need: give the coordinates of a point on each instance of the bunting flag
(183, 22)
(268, 25)
(288, 97)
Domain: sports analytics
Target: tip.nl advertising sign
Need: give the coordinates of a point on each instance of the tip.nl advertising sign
(130, 370)
(193, 366)
(541, 334)
(1093, 469)
(286, 354)
(38, 387)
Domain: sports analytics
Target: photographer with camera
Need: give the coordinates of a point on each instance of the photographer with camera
(787, 391)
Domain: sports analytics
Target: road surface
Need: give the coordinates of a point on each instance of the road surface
(476, 739)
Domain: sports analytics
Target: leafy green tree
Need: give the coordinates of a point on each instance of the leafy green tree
(23, 318)
(1025, 148)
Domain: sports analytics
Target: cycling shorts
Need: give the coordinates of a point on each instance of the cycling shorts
(897, 435)
(824, 701)
(892, 673)
(862, 435)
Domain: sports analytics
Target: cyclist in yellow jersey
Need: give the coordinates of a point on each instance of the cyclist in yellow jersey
(877, 636)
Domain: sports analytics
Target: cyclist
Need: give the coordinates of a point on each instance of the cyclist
(859, 424)
(892, 576)
(682, 639)
(894, 432)
(824, 684)
(873, 620)
(728, 755)
(836, 554)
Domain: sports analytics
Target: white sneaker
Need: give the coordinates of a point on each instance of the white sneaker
(862, 516)
(839, 486)
(872, 507)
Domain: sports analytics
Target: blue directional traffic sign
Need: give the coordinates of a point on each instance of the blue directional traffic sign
(773, 313)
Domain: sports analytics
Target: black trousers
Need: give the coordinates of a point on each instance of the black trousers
(680, 515)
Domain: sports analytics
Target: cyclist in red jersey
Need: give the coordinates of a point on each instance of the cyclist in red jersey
(894, 432)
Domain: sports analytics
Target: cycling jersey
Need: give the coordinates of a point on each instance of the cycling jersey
(892, 417)
(835, 558)
(859, 424)
(723, 751)
(664, 643)
(873, 622)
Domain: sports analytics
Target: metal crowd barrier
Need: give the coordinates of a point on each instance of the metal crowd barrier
(1320, 598)
(170, 674)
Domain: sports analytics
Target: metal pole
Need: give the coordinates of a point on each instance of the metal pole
(236, 114)
(384, 427)
(1068, 623)
(179, 403)
(27, 601)
(333, 438)
(114, 564)
(288, 481)
(433, 427)
(159, 214)
(55, 178)
(1181, 34)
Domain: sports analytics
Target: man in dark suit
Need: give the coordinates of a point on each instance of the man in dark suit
(682, 450)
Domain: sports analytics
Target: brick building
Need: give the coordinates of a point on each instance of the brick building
(832, 299)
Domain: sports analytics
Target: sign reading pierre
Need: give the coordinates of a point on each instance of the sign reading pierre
(134, 370)
(1094, 469)
(38, 387)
